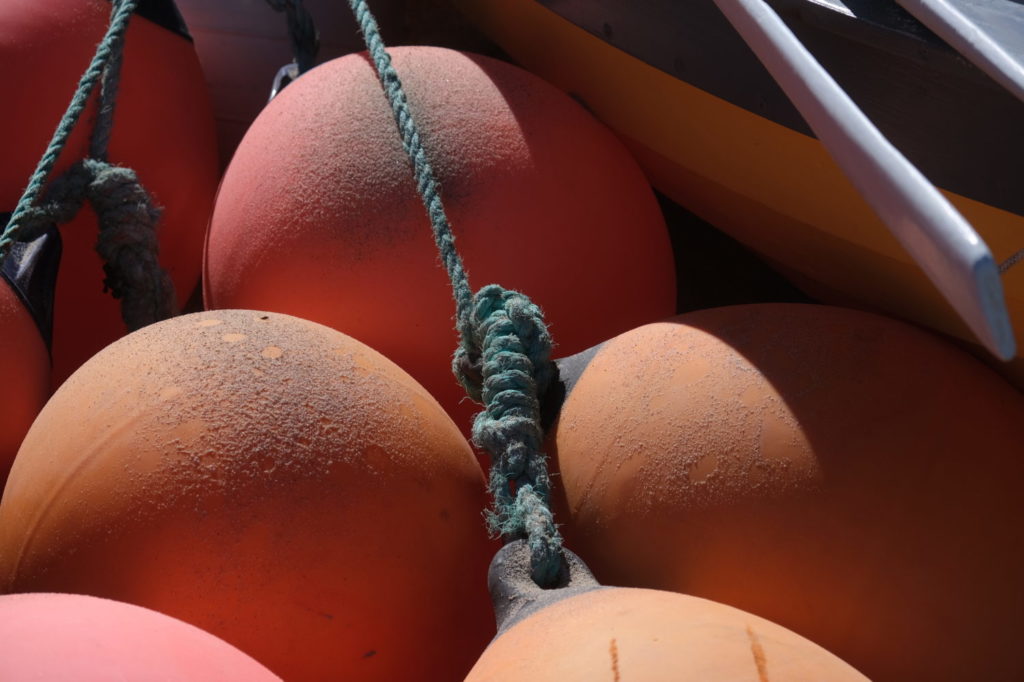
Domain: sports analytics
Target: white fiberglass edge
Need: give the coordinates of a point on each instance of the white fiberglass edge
(945, 246)
(972, 41)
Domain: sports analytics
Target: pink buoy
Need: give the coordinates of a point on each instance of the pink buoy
(74, 638)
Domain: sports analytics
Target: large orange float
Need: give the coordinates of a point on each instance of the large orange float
(578, 630)
(269, 480)
(163, 129)
(654, 636)
(318, 214)
(842, 474)
(74, 638)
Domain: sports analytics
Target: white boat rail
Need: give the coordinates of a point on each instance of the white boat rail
(938, 238)
(962, 25)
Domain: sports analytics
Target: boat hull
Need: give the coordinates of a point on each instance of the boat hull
(764, 179)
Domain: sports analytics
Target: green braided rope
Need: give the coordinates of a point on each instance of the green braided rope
(516, 369)
(112, 41)
(503, 358)
(109, 85)
(426, 184)
(127, 240)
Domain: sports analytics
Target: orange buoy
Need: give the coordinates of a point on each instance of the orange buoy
(318, 214)
(267, 479)
(845, 475)
(633, 634)
(581, 631)
(27, 278)
(74, 638)
(163, 129)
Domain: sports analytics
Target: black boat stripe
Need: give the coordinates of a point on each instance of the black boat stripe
(960, 128)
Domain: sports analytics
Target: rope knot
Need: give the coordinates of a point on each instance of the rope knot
(127, 240)
(128, 244)
(126, 215)
(62, 203)
(505, 362)
(509, 325)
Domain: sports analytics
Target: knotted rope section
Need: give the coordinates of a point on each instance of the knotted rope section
(127, 240)
(507, 366)
(503, 359)
(125, 212)
(302, 31)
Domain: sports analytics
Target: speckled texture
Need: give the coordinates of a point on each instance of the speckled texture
(624, 634)
(842, 474)
(24, 374)
(269, 480)
(74, 638)
(163, 130)
(318, 215)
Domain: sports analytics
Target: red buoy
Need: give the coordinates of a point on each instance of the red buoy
(27, 277)
(845, 475)
(269, 480)
(318, 214)
(163, 129)
(74, 638)
(24, 374)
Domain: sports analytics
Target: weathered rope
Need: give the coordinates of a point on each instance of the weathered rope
(125, 212)
(127, 240)
(514, 348)
(302, 31)
(118, 25)
(102, 129)
(503, 359)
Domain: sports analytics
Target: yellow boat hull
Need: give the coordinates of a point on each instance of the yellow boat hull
(775, 189)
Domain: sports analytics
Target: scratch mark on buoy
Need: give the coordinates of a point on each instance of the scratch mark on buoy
(613, 649)
(759, 658)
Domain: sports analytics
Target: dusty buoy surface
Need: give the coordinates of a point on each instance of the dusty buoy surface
(318, 214)
(821, 467)
(267, 479)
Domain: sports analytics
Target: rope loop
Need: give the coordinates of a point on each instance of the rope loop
(106, 51)
(127, 243)
(125, 212)
(127, 240)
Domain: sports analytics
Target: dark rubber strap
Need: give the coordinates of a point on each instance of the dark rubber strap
(30, 269)
(164, 13)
